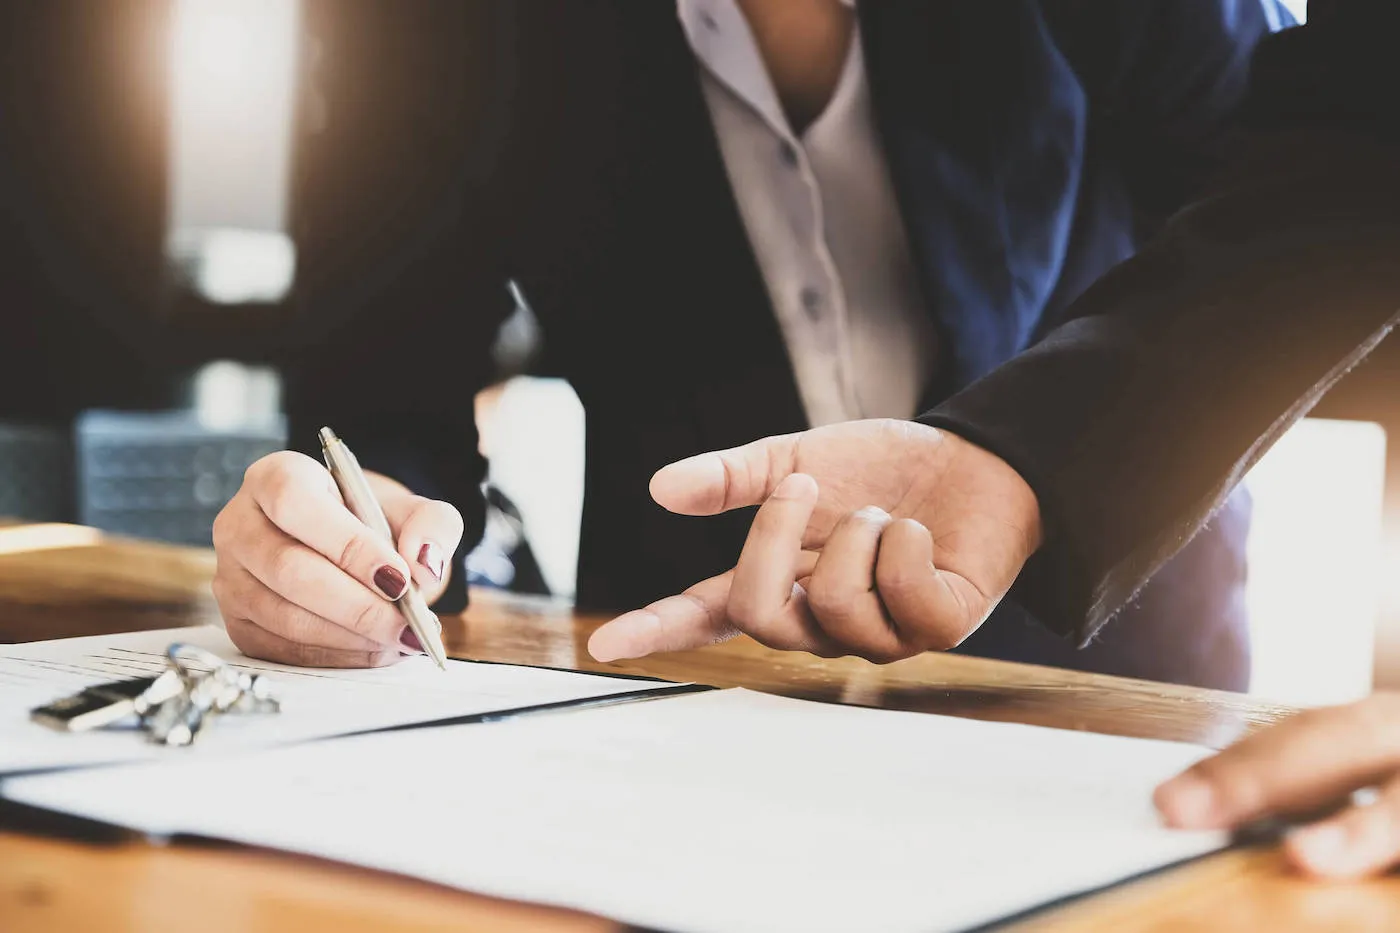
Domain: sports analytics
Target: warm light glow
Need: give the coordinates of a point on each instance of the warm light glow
(1314, 562)
(233, 82)
(214, 47)
(22, 538)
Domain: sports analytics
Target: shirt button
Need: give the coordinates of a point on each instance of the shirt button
(709, 20)
(788, 153)
(811, 302)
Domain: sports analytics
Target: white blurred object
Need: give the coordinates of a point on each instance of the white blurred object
(1315, 561)
(233, 78)
(230, 266)
(234, 396)
(536, 448)
(1299, 9)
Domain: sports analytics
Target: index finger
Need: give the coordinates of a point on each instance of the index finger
(693, 619)
(298, 495)
(765, 601)
(1303, 762)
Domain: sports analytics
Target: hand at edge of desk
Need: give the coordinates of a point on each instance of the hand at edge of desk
(878, 538)
(1300, 765)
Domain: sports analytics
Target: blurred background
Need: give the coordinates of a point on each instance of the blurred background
(220, 92)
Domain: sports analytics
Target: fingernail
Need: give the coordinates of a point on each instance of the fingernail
(1322, 845)
(1187, 802)
(795, 486)
(390, 582)
(430, 556)
(410, 641)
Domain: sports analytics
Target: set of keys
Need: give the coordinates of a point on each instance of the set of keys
(171, 707)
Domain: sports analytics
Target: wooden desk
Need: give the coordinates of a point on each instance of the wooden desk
(64, 580)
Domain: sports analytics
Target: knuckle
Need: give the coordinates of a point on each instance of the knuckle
(935, 634)
(871, 515)
(832, 597)
(898, 581)
(355, 550)
(744, 612)
(276, 499)
(277, 462)
(297, 625)
(374, 619)
(275, 484)
(285, 570)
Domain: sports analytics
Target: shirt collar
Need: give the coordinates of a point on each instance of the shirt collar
(723, 44)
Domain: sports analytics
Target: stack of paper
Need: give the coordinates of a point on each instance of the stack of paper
(315, 703)
(716, 811)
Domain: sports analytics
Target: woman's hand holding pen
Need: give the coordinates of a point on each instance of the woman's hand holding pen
(300, 580)
(877, 538)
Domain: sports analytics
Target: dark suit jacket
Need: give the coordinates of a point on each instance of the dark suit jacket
(567, 145)
(81, 208)
(1222, 333)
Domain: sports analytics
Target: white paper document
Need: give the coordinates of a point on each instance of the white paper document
(315, 703)
(721, 811)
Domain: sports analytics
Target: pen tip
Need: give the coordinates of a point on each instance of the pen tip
(327, 436)
(433, 648)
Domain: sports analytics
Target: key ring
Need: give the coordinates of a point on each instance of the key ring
(200, 655)
(205, 693)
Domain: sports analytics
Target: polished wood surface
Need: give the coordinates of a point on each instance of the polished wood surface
(538, 632)
(57, 581)
(62, 580)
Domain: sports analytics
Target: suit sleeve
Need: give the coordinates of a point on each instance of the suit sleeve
(1179, 369)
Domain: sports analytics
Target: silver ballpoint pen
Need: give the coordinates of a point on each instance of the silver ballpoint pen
(359, 498)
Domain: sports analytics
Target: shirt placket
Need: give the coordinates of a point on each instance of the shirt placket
(813, 307)
(821, 297)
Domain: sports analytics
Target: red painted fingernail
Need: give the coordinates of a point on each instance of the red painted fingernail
(410, 641)
(430, 556)
(390, 582)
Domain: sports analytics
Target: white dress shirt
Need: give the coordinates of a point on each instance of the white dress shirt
(824, 224)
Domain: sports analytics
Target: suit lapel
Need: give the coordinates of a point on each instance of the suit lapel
(983, 126)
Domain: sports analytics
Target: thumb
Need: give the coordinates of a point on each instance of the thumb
(715, 482)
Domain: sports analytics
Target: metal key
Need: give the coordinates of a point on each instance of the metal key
(172, 707)
(107, 704)
(207, 693)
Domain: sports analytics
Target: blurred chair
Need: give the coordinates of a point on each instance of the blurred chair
(163, 475)
(35, 473)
